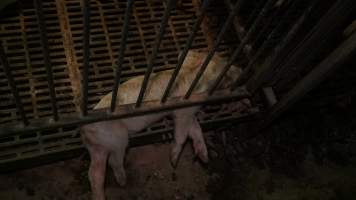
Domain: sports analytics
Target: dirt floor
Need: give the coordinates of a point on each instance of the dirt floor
(150, 176)
(296, 159)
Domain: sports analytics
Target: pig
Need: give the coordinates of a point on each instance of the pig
(107, 141)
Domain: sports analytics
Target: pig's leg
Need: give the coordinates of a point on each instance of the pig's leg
(116, 159)
(180, 136)
(183, 120)
(99, 156)
(196, 134)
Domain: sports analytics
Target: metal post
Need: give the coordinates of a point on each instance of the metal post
(327, 27)
(155, 52)
(86, 55)
(47, 61)
(187, 46)
(249, 68)
(215, 47)
(335, 60)
(128, 14)
(250, 32)
(12, 85)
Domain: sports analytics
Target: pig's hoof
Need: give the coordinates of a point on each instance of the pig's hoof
(201, 151)
(175, 158)
(122, 182)
(174, 161)
(203, 157)
(121, 177)
(175, 154)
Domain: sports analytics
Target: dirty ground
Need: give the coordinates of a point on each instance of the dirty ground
(150, 176)
(299, 158)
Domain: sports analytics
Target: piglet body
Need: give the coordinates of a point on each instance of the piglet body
(107, 141)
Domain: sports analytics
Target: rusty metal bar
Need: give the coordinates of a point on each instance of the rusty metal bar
(187, 46)
(128, 14)
(155, 52)
(211, 53)
(12, 84)
(327, 27)
(244, 41)
(123, 111)
(86, 55)
(341, 54)
(47, 61)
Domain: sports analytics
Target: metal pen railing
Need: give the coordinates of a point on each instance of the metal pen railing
(46, 56)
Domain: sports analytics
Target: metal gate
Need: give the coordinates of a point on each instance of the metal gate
(59, 57)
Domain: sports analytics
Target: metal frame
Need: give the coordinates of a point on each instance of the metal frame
(123, 111)
(254, 81)
(333, 61)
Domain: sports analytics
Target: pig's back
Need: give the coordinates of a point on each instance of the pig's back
(128, 91)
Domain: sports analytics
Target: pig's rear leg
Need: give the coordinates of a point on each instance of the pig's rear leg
(180, 136)
(99, 156)
(196, 134)
(116, 161)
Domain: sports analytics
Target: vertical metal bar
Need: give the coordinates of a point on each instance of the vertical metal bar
(210, 55)
(246, 72)
(86, 55)
(12, 85)
(187, 46)
(328, 26)
(244, 41)
(47, 61)
(333, 61)
(128, 14)
(255, 11)
(155, 52)
(270, 21)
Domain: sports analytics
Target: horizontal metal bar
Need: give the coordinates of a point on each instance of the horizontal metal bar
(187, 46)
(123, 41)
(135, 140)
(211, 53)
(12, 84)
(86, 55)
(46, 56)
(154, 52)
(238, 50)
(341, 54)
(123, 111)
